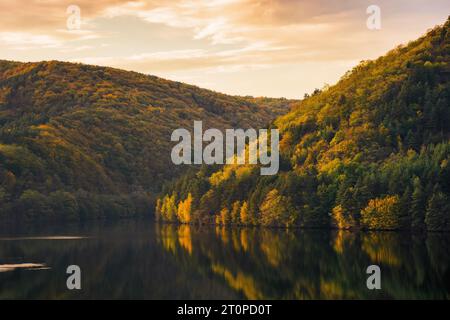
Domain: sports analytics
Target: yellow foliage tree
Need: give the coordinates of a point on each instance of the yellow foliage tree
(381, 213)
(341, 219)
(184, 210)
(166, 209)
(244, 214)
(235, 210)
(225, 216)
(277, 210)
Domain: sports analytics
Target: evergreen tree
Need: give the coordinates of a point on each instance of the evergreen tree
(404, 205)
(437, 213)
(418, 205)
(354, 153)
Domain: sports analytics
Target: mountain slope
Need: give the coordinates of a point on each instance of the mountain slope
(92, 141)
(372, 151)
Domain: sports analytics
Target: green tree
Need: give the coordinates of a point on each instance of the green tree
(277, 210)
(64, 205)
(169, 208)
(34, 205)
(418, 205)
(404, 205)
(437, 213)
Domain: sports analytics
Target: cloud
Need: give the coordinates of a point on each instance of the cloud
(221, 22)
(199, 39)
(47, 20)
(19, 39)
(251, 57)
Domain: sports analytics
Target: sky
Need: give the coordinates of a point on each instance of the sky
(274, 48)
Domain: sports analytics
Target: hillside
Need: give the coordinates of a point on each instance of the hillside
(370, 152)
(82, 141)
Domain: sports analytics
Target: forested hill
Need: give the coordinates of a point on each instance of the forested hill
(83, 141)
(370, 152)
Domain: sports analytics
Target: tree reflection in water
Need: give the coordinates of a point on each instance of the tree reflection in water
(314, 264)
(135, 259)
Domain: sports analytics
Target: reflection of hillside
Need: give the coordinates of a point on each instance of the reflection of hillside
(122, 261)
(134, 259)
(275, 264)
(331, 290)
(273, 247)
(184, 238)
(342, 239)
(168, 238)
(381, 248)
(239, 282)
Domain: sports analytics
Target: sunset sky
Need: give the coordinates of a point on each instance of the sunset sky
(247, 47)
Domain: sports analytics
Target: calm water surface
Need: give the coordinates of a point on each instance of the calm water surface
(144, 260)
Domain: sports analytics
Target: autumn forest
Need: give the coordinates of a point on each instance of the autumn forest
(370, 152)
(81, 142)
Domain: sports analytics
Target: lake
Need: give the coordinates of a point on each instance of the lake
(140, 259)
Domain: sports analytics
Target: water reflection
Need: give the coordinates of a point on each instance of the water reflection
(26, 266)
(142, 260)
(286, 264)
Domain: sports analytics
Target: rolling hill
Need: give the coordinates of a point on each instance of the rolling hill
(372, 151)
(80, 141)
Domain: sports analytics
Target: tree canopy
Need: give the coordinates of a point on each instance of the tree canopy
(371, 152)
(80, 141)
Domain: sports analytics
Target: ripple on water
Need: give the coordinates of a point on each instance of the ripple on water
(25, 266)
(45, 238)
